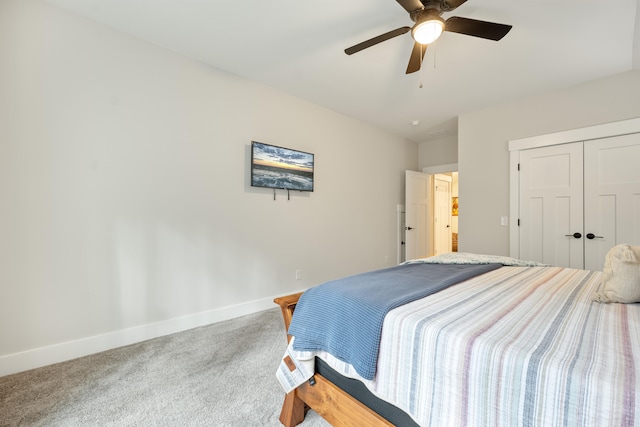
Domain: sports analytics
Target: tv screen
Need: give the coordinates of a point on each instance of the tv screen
(278, 167)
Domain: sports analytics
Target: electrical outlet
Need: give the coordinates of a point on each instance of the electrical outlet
(386, 259)
(504, 221)
(298, 274)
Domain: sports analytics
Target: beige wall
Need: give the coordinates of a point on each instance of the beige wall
(126, 206)
(483, 157)
(439, 151)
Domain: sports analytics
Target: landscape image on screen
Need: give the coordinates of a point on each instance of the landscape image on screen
(278, 167)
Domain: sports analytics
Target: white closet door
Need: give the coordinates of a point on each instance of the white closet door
(612, 196)
(551, 205)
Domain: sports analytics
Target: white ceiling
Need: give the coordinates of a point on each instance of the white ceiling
(298, 47)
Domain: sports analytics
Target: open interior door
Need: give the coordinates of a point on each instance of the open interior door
(417, 216)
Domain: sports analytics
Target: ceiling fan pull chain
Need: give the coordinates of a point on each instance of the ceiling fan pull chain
(435, 54)
(421, 66)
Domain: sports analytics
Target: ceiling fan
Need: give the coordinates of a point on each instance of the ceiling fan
(429, 25)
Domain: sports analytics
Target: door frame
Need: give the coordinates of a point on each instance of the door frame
(400, 224)
(623, 127)
(433, 171)
(434, 214)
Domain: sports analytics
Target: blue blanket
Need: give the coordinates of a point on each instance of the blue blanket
(344, 317)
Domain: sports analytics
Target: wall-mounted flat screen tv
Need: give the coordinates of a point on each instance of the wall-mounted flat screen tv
(279, 167)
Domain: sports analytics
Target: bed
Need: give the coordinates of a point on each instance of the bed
(514, 344)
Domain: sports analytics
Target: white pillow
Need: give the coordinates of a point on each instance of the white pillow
(621, 275)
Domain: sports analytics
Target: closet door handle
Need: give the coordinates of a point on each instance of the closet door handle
(575, 235)
(591, 236)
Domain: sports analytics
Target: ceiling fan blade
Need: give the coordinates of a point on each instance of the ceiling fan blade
(452, 4)
(411, 5)
(473, 27)
(417, 54)
(374, 41)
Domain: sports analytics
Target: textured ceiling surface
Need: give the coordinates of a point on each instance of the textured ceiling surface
(298, 48)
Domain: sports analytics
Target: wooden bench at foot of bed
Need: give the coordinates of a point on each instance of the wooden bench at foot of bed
(324, 397)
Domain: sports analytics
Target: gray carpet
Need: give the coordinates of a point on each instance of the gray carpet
(217, 375)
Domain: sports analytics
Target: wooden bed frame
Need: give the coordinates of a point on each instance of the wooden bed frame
(324, 397)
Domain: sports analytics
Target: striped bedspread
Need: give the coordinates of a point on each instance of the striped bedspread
(322, 312)
(518, 346)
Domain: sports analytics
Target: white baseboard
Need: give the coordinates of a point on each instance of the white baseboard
(38, 357)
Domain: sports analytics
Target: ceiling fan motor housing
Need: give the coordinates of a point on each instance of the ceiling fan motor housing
(422, 15)
(439, 6)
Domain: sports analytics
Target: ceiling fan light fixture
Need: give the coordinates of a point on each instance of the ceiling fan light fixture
(428, 31)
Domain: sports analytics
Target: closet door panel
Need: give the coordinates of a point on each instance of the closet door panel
(533, 247)
(612, 194)
(551, 203)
